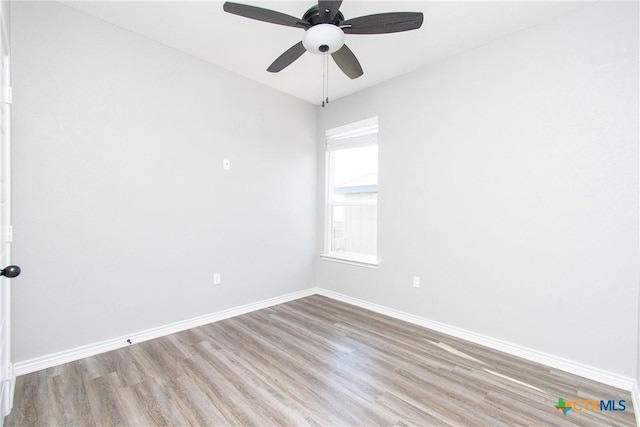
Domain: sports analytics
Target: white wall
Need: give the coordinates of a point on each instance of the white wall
(509, 184)
(122, 212)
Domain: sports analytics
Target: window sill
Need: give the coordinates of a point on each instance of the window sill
(350, 261)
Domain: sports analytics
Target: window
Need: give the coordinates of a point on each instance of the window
(352, 193)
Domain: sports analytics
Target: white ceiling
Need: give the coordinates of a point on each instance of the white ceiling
(247, 47)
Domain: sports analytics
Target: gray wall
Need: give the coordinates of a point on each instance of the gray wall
(509, 184)
(122, 212)
(6, 13)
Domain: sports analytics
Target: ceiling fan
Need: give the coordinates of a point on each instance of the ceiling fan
(325, 29)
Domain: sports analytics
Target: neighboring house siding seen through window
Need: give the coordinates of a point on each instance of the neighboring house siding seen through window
(351, 230)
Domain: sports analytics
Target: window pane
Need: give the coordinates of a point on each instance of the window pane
(355, 173)
(352, 192)
(354, 229)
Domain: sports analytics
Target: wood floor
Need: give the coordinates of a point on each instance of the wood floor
(313, 361)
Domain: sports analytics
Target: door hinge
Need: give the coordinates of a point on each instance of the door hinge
(7, 95)
(9, 235)
(9, 374)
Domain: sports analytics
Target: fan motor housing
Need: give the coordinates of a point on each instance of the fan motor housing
(312, 16)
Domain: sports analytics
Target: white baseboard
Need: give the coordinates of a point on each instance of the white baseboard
(635, 397)
(596, 374)
(48, 361)
(552, 361)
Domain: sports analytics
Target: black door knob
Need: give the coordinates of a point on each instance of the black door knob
(11, 271)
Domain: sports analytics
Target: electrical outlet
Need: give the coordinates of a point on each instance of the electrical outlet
(217, 279)
(226, 164)
(416, 282)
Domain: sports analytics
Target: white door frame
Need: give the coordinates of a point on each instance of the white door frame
(7, 376)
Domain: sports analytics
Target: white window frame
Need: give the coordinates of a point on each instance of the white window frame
(357, 134)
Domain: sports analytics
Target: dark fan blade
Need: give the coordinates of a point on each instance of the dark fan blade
(284, 60)
(392, 22)
(328, 9)
(265, 15)
(347, 62)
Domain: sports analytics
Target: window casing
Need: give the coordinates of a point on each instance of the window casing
(351, 228)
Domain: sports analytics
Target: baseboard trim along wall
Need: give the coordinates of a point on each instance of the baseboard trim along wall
(48, 361)
(635, 397)
(552, 361)
(596, 374)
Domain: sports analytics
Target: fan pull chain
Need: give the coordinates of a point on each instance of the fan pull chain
(326, 63)
(324, 69)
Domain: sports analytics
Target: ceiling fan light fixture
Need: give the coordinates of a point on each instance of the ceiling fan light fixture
(323, 38)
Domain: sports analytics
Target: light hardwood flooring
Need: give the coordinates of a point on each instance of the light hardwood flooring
(313, 361)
